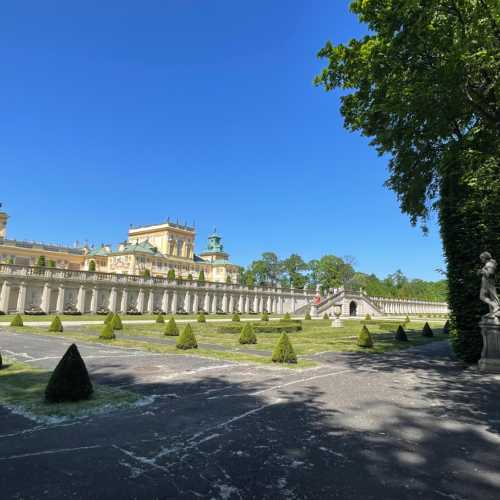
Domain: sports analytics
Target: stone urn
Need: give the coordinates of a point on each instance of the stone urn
(490, 356)
(337, 312)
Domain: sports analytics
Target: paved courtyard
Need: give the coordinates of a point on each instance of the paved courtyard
(396, 426)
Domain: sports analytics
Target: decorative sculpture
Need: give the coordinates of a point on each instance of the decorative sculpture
(490, 322)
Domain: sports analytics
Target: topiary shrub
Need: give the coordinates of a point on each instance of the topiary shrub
(107, 332)
(325, 316)
(400, 335)
(201, 276)
(17, 321)
(186, 339)
(283, 352)
(364, 338)
(116, 322)
(172, 330)
(407, 319)
(160, 319)
(265, 316)
(427, 331)
(56, 325)
(307, 317)
(446, 328)
(92, 266)
(201, 318)
(247, 335)
(70, 380)
(146, 274)
(368, 317)
(236, 317)
(286, 317)
(108, 317)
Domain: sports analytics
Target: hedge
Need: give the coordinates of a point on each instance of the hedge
(263, 328)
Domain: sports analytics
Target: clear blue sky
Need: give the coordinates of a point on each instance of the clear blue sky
(121, 112)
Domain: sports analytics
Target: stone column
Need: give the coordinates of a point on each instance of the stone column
(269, 305)
(206, 303)
(196, 302)
(293, 301)
(140, 301)
(93, 301)
(45, 304)
(60, 300)
(187, 302)
(80, 301)
(124, 304)
(224, 302)
(112, 300)
(255, 303)
(164, 302)
(241, 304)
(151, 302)
(231, 303)
(247, 303)
(214, 303)
(5, 297)
(175, 298)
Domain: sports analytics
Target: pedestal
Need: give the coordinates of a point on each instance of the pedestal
(490, 356)
(337, 323)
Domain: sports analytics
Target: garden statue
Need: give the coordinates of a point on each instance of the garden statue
(490, 323)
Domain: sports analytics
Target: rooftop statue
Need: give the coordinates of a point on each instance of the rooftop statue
(488, 292)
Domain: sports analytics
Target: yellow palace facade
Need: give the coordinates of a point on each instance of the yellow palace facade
(156, 249)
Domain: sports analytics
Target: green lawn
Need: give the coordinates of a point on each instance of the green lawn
(22, 389)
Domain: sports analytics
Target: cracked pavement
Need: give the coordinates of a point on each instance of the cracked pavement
(402, 425)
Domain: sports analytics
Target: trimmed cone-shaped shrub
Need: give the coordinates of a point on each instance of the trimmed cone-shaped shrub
(265, 316)
(172, 330)
(17, 321)
(247, 335)
(364, 338)
(446, 328)
(201, 318)
(236, 317)
(116, 323)
(56, 325)
(427, 331)
(70, 380)
(283, 352)
(108, 317)
(368, 317)
(186, 339)
(107, 332)
(287, 317)
(307, 317)
(325, 316)
(400, 335)
(160, 319)
(407, 319)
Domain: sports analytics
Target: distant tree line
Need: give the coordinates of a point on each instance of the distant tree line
(331, 271)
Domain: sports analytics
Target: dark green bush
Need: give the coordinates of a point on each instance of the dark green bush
(286, 317)
(56, 325)
(92, 266)
(108, 317)
(407, 319)
(325, 316)
(70, 380)
(160, 319)
(51, 264)
(247, 335)
(172, 330)
(427, 331)
(265, 316)
(260, 327)
(368, 317)
(107, 332)
(171, 275)
(40, 262)
(201, 276)
(283, 352)
(146, 274)
(116, 322)
(307, 317)
(236, 317)
(364, 338)
(186, 339)
(446, 328)
(17, 320)
(401, 335)
(1, 361)
(201, 318)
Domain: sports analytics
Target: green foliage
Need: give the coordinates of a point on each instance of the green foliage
(9, 260)
(56, 325)
(201, 276)
(265, 316)
(247, 335)
(401, 335)
(70, 380)
(271, 327)
(229, 281)
(160, 318)
(325, 316)
(307, 317)
(364, 338)
(171, 329)
(427, 331)
(146, 274)
(293, 267)
(190, 277)
(107, 332)
(186, 339)
(17, 320)
(201, 318)
(40, 261)
(171, 275)
(368, 317)
(286, 317)
(116, 322)
(446, 328)
(92, 266)
(407, 319)
(51, 264)
(283, 352)
(266, 270)
(108, 317)
(236, 317)
(330, 271)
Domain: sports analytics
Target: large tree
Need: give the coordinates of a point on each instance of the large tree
(268, 269)
(423, 84)
(293, 268)
(330, 271)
